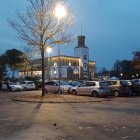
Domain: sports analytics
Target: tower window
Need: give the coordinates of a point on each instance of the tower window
(85, 66)
(85, 57)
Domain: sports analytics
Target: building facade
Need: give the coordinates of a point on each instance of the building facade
(69, 67)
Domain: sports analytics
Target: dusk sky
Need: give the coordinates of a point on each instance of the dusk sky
(111, 27)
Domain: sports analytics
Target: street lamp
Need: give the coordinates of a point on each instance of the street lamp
(60, 12)
(49, 49)
(121, 74)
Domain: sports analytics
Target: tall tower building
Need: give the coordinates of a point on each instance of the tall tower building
(82, 52)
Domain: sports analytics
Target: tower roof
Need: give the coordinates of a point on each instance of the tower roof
(81, 42)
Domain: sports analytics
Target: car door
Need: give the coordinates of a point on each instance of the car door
(49, 86)
(28, 85)
(52, 87)
(113, 86)
(23, 84)
(90, 87)
(82, 89)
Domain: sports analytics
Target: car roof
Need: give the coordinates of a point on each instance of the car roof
(27, 81)
(96, 81)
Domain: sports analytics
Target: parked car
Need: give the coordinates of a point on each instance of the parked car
(28, 85)
(15, 87)
(53, 86)
(38, 84)
(11, 86)
(4, 86)
(135, 87)
(93, 88)
(119, 87)
(136, 80)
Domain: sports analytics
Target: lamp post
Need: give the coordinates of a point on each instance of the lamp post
(49, 49)
(60, 12)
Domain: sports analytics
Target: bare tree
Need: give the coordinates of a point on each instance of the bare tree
(39, 27)
(30, 60)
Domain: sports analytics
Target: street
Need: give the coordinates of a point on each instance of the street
(117, 119)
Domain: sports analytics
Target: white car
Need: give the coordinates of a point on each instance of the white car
(15, 87)
(3, 86)
(93, 88)
(12, 87)
(27, 85)
(53, 86)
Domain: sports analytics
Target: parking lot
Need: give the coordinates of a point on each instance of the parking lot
(117, 119)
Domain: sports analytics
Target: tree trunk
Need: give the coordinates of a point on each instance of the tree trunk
(43, 73)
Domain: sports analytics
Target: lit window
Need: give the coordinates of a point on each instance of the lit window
(51, 72)
(55, 72)
(69, 63)
(55, 64)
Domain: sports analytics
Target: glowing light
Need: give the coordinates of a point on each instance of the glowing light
(60, 11)
(49, 49)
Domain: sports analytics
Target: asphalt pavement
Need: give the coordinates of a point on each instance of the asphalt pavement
(115, 119)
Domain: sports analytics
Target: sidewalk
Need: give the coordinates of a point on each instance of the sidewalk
(58, 98)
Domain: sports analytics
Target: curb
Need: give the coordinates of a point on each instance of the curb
(56, 102)
(59, 99)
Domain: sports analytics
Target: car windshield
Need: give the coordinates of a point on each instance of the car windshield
(13, 83)
(136, 83)
(63, 83)
(124, 83)
(74, 83)
(30, 83)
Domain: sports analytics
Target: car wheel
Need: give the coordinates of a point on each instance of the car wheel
(74, 92)
(133, 94)
(25, 88)
(116, 93)
(95, 94)
(130, 93)
(59, 91)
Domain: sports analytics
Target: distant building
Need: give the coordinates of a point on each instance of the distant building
(71, 67)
